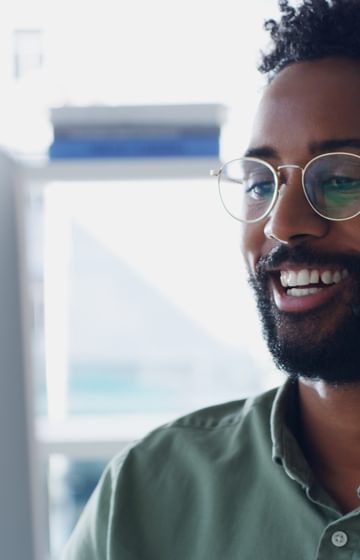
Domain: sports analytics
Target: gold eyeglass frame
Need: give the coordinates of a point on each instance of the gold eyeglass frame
(276, 174)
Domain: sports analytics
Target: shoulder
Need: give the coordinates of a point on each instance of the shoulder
(203, 431)
(153, 486)
(224, 415)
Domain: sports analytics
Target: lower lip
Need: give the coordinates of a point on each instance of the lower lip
(297, 304)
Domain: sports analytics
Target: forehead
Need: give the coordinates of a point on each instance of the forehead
(308, 103)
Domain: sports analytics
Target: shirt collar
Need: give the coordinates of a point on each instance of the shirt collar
(286, 450)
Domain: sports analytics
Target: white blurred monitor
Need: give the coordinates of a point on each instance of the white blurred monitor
(20, 526)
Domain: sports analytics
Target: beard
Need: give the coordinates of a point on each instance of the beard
(317, 344)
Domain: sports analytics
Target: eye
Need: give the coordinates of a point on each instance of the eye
(260, 189)
(339, 182)
(340, 190)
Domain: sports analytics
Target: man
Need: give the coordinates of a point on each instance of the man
(278, 476)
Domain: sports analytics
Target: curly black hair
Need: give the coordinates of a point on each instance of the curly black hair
(314, 29)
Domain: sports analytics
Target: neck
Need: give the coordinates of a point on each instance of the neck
(330, 419)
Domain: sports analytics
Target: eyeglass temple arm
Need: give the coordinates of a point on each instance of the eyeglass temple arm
(216, 173)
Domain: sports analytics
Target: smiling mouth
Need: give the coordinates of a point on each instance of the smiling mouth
(310, 281)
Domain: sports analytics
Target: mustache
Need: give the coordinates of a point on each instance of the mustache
(305, 255)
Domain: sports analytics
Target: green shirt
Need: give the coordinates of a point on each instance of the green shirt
(225, 483)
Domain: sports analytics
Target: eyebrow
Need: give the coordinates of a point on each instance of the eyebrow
(334, 144)
(328, 145)
(262, 152)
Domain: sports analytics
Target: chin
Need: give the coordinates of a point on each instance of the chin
(320, 344)
(301, 349)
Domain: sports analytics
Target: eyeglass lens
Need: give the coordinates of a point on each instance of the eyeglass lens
(331, 183)
(247, 189)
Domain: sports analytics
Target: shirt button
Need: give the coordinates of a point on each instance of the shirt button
(339, 538)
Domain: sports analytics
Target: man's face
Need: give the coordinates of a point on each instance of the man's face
(310, 108)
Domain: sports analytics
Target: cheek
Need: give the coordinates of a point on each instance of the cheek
(350, 230)
(252, 243)
(344, 237)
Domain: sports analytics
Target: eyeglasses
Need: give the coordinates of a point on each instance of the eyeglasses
(249, 187)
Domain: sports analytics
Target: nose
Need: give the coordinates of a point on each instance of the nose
(292, 220)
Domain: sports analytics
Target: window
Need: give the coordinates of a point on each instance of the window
(144, 321)
(141, 310)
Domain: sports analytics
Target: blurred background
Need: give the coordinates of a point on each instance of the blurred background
(140, 307)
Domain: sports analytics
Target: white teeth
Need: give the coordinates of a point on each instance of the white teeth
(298, 292)
(292, 278)
(306, 277)
(303, 277)
(326, 277)
(283, 278)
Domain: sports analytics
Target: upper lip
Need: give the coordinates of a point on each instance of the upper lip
(296, 267)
